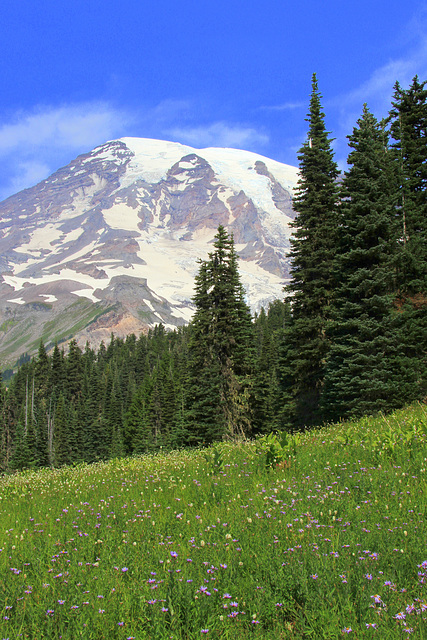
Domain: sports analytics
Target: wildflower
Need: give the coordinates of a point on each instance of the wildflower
(377, 599)
(204, 630)
(314, 576)
(174, 554)
(165, 609)
(101, 610)
(371, 625)
(368, 576)
(347, 630)
(255, 622)
(400, 616)
(125, 569)
(50, 612)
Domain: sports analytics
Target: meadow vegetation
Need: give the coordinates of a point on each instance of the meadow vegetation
(318, 534)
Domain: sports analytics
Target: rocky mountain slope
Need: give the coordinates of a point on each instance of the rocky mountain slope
(111, 241)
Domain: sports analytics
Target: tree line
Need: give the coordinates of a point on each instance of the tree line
(349, 337)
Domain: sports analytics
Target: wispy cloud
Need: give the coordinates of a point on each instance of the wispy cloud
(66, 126)
(35, 143)
(219, 134)
(377, 90)
(286, 106)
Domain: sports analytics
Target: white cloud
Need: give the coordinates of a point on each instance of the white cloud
(29, 173)
(219, 134)
(68, 127)
(377, 90)
(286, 106)
(33, 144)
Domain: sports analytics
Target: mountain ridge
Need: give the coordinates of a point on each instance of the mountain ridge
(118, 231)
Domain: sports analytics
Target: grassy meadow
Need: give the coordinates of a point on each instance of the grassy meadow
(320, 535)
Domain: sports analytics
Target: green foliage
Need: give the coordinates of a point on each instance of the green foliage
(215, 460)
(278, 448)
(305, 345)
(220, 349)
(213, 541)
(363, 370)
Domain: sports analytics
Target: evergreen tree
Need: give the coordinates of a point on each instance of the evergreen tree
(409, 131)
(21, 458)
(305, 346)
(42, 372)
(57, 371)
(364, 374)
(74, 371)
(137, 430)
(269, 328)
(61, 434)
(220, 348)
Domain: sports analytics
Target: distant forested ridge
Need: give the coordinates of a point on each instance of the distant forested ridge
(349, 338)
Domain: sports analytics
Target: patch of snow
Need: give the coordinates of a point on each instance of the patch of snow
(49, 297)
(149, 305)
(121, 216)
(17, 301)
(85, 293)
(40, 239)
(187, 165)
(75, 234)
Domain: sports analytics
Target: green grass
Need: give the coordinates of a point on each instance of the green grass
(222, 543)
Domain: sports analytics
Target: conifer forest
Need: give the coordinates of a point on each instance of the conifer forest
(349, 337)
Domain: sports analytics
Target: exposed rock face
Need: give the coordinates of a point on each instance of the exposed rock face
(111, 241)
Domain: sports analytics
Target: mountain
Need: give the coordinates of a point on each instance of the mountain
(111, 242)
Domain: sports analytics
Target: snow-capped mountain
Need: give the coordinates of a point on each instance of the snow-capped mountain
(111, 241)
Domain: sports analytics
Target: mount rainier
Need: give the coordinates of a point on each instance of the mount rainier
(111, 242)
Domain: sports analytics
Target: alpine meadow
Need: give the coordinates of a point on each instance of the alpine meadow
(287, 450)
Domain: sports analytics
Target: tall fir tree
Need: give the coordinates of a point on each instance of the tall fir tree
(409, 131)
(305, 345)
(364, 373)
(220, 349)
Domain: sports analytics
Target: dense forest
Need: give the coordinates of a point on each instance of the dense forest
(349, 337)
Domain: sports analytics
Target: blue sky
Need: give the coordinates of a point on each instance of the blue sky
(76, 73)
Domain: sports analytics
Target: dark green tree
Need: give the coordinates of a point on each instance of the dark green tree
(305, 345)
(21, 457)
(220, 349)
(61, 452)
(364, 373)
(409, 131)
